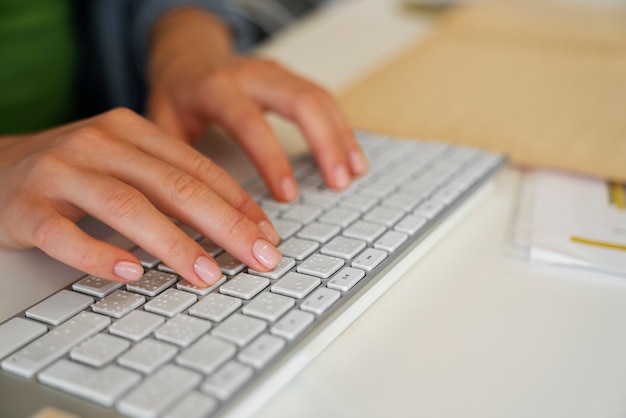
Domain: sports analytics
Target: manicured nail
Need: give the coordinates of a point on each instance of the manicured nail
(341, 176)
(289, 189)
(268, 230)
(128, 270)
(358, 162)
(266, 253)
(207, 270)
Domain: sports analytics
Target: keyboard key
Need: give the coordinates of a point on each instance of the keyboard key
(152, 283)
(320, 300)
(293, 324)
(215, 307)
(268, 306)
(95, 286)
(147, 260)
(343, 247)
(201, 291)
(119, 303)
(261, 351)
(385, 216)
(102, 386)
(298, 248)
(391, 240)
(284, 265)
(369, 259)
(171, 302)
(193, 405)
(323, 198)
(429, 209)
(359, 202)
(55, 344)
(411, 224)
(286, 228)
(244, 286)
(137, 325)
(302, 213)
(239, 329)
(99, 350)
(182, 330)
(159, 391)
(210, 247)
(147, 356)
(320, 265)
(207, 354)
(319, 232)
(59, 307)
(227, 380)
(363, 230)
(18, 332)
(346, 279)
(296, 285)
(402, 201)
(229, 264)
(339, 216)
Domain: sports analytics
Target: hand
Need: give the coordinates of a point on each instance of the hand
(129, 174)
(195, 80)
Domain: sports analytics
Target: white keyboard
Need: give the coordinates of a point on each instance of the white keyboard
(162, 347)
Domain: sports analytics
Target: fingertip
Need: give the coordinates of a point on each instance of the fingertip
(341, 177)
(288, 189)
(358, 162)
(207, 270)
(266, 254)
(128, 270)
(269, 231)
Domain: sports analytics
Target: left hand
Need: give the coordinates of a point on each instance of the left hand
(195, 79)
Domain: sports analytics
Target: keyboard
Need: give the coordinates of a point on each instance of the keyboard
(163, 347)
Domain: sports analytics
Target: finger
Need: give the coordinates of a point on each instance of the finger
(232, 108)
(313, 109)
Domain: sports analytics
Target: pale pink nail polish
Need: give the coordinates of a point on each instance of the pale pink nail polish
(266, 253)
(128, 270)
(341, 176)
(358, 162)
(289, 188)
(207, 270)
(268, 230)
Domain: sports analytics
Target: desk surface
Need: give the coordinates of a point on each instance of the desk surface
(471, 330)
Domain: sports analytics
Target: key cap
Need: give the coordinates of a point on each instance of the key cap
(95, 286)
(363, 230)
(286, 228)
(159, 391)
(284, 265)
(383, 215)
(147, 260)
(428, 209)
(296, 285)
(99, 350)
(215, 307)
(244, 286)
(137, 325)
(192, 233)
(201, 291)
(171, 302)
(239, 329)
(322, 198)
(369, 259)
(302, 213)
(229, 264)
(411, 224)
(207, 354)
(227, 380)
(292, 324)
(53, 345)
(147, 356)
(18, 332)
(261, 351)
(320, 265)
(118, 303)
(102, 386)
(152, 283)
(182, 330)
(268, 306)
(391, 240)
(59, 307)
(339, 216)
(193, 405)
(210, 247)
(346, 279)
(298, 248)
(359, 202)
(320, 300)
(319, 232)
(343, 247)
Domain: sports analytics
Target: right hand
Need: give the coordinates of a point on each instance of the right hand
(130, 174)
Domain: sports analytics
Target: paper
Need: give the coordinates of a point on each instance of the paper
(577, 221)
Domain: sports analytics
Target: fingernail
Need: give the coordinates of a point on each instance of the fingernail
(289, 189)
(266, 253)
(207, 270)
(270, 233)
(341, 176)
(358, 162)
(128, 270)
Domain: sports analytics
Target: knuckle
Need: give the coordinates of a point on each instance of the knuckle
(120, 114)
(235, 224)
(124, 202)
(45, 232)
(308, 98)
(184, 187)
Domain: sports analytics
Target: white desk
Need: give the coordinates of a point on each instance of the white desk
(471, 331)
